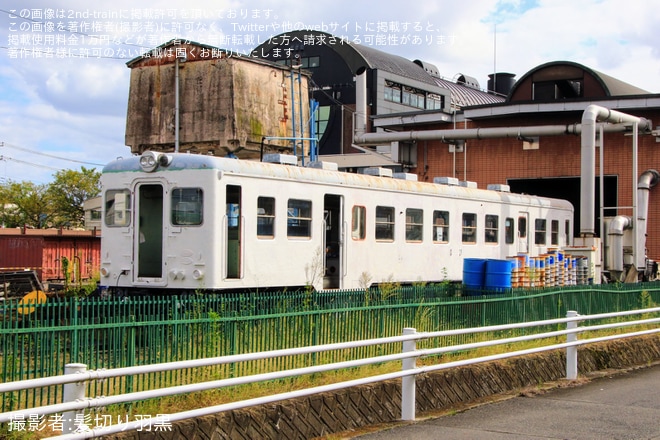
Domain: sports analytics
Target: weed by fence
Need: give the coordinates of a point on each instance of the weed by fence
(119, 332)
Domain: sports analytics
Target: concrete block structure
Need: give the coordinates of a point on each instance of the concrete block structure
(224, 103)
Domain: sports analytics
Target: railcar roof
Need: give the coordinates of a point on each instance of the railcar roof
(186, 162)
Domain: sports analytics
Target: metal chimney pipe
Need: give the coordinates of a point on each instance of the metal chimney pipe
(647, 180)
(591, 115)
(360, 102)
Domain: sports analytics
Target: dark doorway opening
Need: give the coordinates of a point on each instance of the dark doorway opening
(568, 188)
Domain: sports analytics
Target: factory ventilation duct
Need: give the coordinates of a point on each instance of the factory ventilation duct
(468, 81)
(501, 83)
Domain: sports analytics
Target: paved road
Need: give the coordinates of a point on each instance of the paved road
(625, 406)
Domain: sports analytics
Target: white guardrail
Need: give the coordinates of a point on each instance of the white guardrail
(76, 375)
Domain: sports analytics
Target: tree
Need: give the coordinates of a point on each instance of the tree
(25, 204)
(68, 192)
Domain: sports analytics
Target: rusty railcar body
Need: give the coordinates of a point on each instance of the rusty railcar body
(50, 252)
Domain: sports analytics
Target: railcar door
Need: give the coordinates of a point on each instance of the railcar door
(233, 231)
(333, 220)
(523, 232)
(149, 233)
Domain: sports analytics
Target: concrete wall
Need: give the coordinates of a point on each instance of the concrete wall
(357, 407)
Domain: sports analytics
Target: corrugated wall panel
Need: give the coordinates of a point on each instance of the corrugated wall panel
(18, 252)
(82, 253)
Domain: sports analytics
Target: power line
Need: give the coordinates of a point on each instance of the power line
(7, 158)
(4, 144)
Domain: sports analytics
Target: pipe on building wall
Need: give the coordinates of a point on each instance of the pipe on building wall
(647, 180)
(448, 136)
(587, 129)
(360, 102)
(591, 115)
(177, 110)
(615, 244)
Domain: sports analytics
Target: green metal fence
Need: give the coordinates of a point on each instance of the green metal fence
(37, 340)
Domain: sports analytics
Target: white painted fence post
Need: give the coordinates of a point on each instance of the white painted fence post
(571, 352)
(408, 382)
(71, 393)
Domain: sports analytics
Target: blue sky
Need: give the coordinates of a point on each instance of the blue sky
(74, 107)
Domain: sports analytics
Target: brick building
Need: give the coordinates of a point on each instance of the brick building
(394, 100)
(553, 94)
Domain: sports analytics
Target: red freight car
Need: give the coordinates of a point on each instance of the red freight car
(45, 251)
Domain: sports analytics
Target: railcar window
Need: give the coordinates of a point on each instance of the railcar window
(567, 232)
(187, 206)
(491, 229)
(441, 226)
(384, 223)
(414, 224)
(469, 228)
(359, 223)
(522, 227)
(117, 207)
(266, 217)
(539, 231)
(299, 218)
(554, 232)
(508, 230)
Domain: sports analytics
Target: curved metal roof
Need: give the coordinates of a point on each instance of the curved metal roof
(377, 59)
(463, 96)
(354, 55)
(204, 163)
(611, 86)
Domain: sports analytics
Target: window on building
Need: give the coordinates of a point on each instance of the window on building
(266, 217)
(420, 100)
(539, 231)
(441, 226)
(414, 224)
(557, 89)
(384, 223)
(509, 229)
(411, 96)
(322, 117)
(359, 223)
(414, 99)
(469, 228)
(396, 94)
(405, 97)
(491, 228)
(392, 91)
(310, 62)
(299, 218)
(434, 102)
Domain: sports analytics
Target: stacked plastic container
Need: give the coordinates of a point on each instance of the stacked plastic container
(552, 269)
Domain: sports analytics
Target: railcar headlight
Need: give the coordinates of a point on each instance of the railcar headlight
(105, 272)
(150, 160)
(198, 274)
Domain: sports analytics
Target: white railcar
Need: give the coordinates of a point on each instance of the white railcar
(186, 223)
